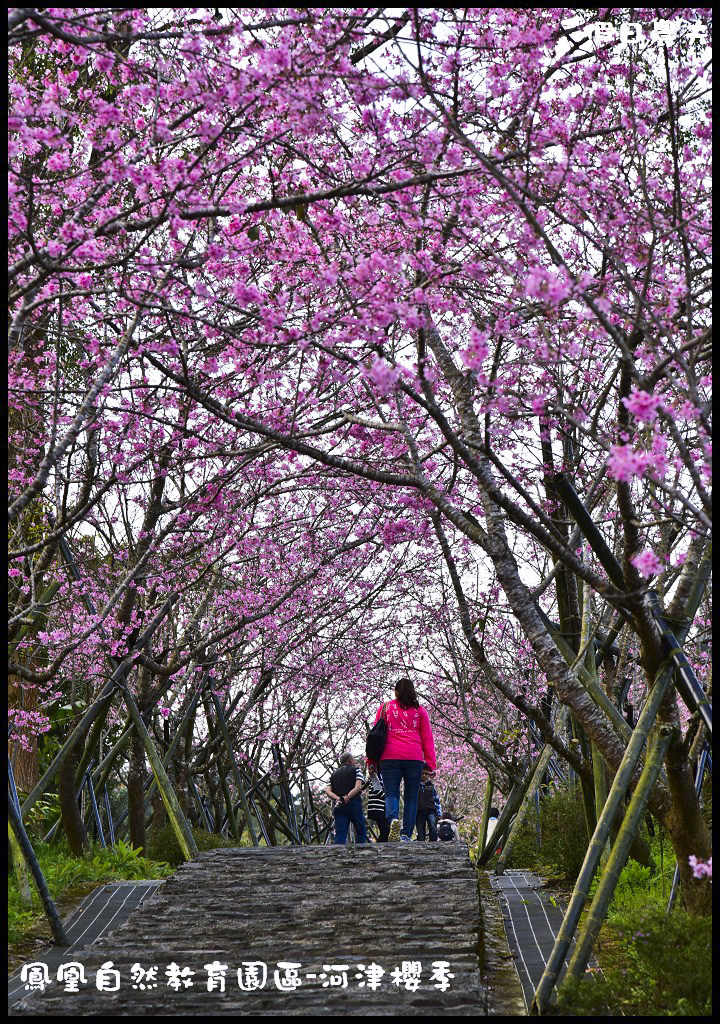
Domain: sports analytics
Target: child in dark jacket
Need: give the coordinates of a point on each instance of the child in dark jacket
(429, 809)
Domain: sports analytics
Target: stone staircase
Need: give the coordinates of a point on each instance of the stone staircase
(320, 908)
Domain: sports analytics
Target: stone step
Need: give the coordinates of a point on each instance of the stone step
(318, 907)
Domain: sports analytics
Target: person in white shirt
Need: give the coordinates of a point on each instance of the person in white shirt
(492, 822)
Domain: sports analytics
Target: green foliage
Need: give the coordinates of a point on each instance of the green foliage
(62, 871)
(44, 812)
(706, 798)
(563, 835)
(637, 887)
(652, 965)
(162, 843)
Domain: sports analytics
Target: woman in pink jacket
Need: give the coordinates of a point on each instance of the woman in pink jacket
(409, 744)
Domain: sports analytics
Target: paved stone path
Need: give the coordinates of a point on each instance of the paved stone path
(319, 908)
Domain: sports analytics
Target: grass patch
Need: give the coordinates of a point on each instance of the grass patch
(652, 964)
(64, 871)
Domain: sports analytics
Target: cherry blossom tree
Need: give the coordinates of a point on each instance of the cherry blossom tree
(303, 297)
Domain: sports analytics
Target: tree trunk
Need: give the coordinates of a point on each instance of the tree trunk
(686, 827)
(71, 817)
(159, 818)
(24, 762)
(136, 793)
(136, 771)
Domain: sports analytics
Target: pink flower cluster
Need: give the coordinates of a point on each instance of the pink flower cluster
(382, 375)
(624, 462)
(548, 285)
(647, 563)
(643, 405)
(398, 531)
(700, 868)
(477, 351)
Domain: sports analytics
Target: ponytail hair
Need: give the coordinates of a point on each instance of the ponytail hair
(405, 694)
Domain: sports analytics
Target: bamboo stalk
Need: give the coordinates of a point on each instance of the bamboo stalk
(487, 804)
(227, 796)
(59, 936)
(102, 773)
(94, 807)
(91, 743)
(608, 643)
(600, 785)
(587, 793)
(595, 539)
(311, 805)
(234, 766)
(596, 692)
(692, 693)
(595, 848)
(20, 868)
(278, 821)
(230, 813)
(511, 805)
(182, 726)
(540, 768)
(172, 804)
(619, 853)
(108, 815)
(104, 699)
(598, 765)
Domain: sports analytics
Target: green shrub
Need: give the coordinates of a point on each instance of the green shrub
(44, 813)
(652, 965)
(562, 830)
(162, 843)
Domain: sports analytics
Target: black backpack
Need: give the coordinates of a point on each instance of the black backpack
(446, 832)
(376, 739)
(343, 779)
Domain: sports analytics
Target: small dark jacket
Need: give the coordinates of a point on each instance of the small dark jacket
(428, 800)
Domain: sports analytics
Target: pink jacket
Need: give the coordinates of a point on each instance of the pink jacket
(409, 735)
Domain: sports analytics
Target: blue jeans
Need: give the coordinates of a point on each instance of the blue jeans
(350, 812)
(392, 772)
(429, 817)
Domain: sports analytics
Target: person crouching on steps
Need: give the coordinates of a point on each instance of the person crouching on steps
(376, 804)
(409, 743)
(345, 785)
(429, 809)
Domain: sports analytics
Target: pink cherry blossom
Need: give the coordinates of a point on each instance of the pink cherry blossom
(700, 868)
(647, 563)
(643, 405)
(625, 462)
(305, 319)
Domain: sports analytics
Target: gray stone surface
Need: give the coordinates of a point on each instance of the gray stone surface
(313, 906)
